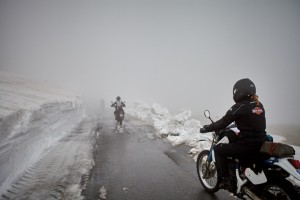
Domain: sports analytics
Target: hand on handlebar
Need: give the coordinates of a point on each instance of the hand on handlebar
(204, 129)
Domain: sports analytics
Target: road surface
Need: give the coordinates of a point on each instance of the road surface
(131, 163)
(134, 163)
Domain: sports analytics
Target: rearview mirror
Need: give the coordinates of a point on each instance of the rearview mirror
(207, 114)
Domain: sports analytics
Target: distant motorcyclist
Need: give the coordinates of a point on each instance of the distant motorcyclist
(118, 104)
(249, 115)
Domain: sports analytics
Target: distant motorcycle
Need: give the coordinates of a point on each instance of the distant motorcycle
(277, 178)
(119, 113)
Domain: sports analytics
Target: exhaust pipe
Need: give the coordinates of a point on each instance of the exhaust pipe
(251, 194)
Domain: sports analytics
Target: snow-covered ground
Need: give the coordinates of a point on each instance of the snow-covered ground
(34, 117)
(46, 140)
(178, 128)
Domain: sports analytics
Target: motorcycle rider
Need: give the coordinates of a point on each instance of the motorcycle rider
(118, 104)
(249, 115)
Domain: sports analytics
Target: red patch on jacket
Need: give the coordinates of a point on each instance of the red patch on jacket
(257, 110)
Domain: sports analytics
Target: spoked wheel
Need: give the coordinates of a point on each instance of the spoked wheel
(279, 190)
(207, 172)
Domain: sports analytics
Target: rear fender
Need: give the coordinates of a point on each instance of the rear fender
(286, 165)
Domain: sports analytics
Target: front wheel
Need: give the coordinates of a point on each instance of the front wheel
(279, 189)
(207, 172)
(120, 122)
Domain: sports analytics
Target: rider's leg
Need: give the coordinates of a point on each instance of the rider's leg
(239, 150)
(221, 164)
(222, 167)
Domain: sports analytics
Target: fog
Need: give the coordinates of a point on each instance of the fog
(181, 54)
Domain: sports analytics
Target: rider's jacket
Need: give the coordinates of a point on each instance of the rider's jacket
(249, 118)
(118, 105)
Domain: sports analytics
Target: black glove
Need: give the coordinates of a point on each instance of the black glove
(204, 129)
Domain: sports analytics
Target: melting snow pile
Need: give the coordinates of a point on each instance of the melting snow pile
(178, 129)
(33, 117)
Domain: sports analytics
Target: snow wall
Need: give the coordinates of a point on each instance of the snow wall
(33, 117)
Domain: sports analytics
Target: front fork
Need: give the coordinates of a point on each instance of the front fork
(210, 159)
(211, 155)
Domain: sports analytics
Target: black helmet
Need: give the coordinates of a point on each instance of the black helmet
(118, 98)
(243, 89)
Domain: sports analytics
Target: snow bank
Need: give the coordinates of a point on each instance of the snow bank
(163, 121)
(178, 129)
(33, 117)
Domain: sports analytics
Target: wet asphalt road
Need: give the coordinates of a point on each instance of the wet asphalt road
(134, 164)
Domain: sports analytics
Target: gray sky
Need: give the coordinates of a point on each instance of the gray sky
(181, 54)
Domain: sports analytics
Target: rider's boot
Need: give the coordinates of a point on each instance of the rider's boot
(226, 184)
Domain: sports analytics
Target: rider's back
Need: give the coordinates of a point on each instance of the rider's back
(250, 120)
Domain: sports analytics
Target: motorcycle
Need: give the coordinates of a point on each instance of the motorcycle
(278, 178)
(119, 115)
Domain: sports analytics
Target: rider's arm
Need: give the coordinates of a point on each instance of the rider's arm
(230, 117)
(123, 104)
(114, 104)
